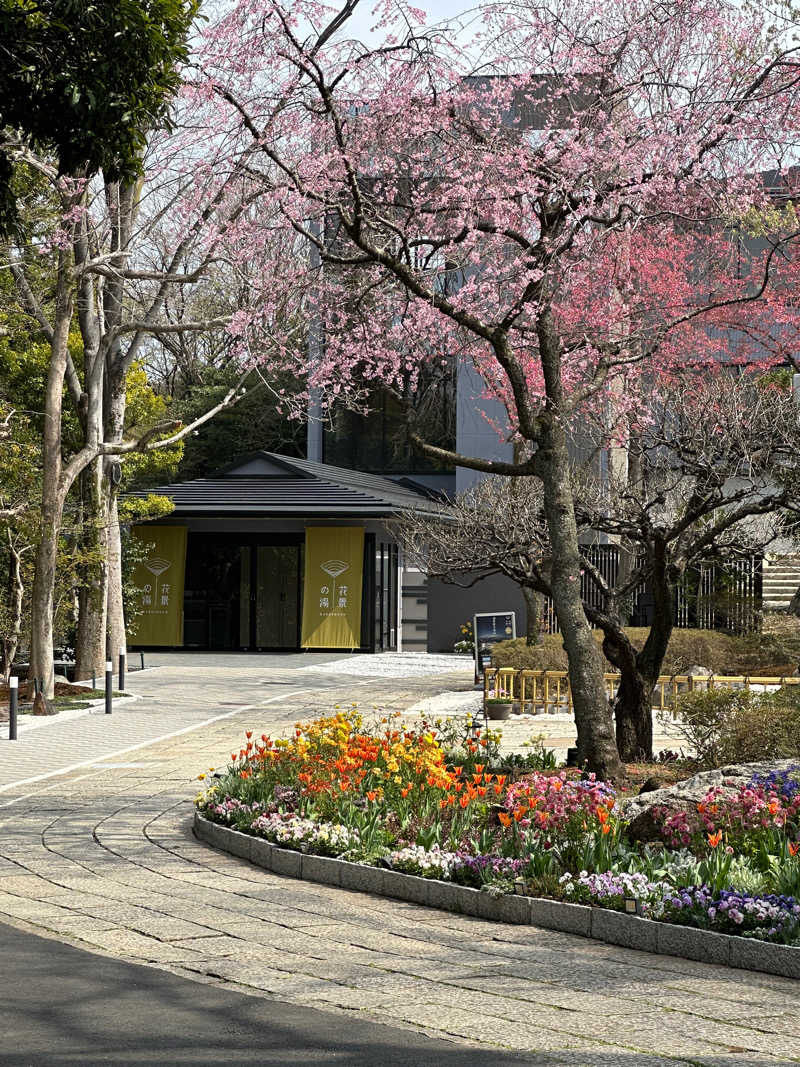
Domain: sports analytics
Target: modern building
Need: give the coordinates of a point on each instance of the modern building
(274, 553)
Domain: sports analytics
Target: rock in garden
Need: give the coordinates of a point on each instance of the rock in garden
(646, 811)
(650, 785)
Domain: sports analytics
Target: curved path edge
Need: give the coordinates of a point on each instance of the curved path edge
(600, 924)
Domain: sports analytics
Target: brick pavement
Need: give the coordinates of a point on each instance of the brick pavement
(103, 857)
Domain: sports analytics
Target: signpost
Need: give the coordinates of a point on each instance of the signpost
(489, 628)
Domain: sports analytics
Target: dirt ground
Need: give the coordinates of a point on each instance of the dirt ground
(63, 691)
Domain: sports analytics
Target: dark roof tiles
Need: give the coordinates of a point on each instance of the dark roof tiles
(302, 488)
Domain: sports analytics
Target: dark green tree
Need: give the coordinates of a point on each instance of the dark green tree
(86, 80)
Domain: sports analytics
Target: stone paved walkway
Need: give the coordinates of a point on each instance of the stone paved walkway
(103, 857)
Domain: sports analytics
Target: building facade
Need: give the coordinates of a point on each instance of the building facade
(274, 554)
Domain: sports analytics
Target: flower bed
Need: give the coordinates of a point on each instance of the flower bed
(397, 798)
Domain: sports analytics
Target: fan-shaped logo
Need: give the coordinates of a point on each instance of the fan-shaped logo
(334, 567)
(157, 566)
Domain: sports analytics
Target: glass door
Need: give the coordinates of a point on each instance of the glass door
(215, 593)
(276, 601)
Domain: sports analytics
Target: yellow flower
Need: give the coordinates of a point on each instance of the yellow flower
(200, 777)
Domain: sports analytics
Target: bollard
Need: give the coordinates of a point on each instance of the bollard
(109, 684)
(122, 657)
(13, 696)
(141, 654)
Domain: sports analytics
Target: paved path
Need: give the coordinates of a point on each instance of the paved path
(66, 1005)
(103, 857)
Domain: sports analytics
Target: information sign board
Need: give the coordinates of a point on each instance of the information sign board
(489, 628)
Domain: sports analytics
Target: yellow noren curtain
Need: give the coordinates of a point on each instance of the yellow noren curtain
(159, 580)
(332, 589)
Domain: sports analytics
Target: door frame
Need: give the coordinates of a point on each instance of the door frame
(274, 541)
(254, 541)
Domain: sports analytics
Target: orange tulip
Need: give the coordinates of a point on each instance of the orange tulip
(773, 807)
(501, 780)
(457, 770)
(479, 767)
(504, 818)
(371, 794)
(602, 816)
(481, 790)
(794, 848)
(464, 801)
(714, 839)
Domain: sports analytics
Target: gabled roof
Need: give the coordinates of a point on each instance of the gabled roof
(267, 484)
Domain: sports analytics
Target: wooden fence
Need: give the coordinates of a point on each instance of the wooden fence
(548, 692)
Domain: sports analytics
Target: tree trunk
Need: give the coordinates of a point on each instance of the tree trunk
(597, 749)
(90, 644)
(533, 616)
(114, 429)
(794, 604)
(116, 614)
(633, 704)
(16, 592)
(53, 492)
(633, 707)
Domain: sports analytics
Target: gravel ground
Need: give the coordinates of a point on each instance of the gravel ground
(555, 731)
(397, 665)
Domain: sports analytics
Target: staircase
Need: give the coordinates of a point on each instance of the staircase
(781, 578)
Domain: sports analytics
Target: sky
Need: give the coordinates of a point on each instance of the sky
(437, 10)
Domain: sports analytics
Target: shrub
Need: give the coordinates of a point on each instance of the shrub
(736, 726)
(774, 652)
(547, 656)
(767, 728)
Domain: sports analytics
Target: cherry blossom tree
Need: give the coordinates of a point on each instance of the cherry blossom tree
(718, 489)
(514, 201)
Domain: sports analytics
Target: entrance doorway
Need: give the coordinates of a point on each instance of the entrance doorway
(243, 592)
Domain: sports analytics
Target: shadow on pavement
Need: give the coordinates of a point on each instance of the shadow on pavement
(62, 1005)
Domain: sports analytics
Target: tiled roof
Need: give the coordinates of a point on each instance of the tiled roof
(291, 487)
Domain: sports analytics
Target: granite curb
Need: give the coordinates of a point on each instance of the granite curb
(601, 924)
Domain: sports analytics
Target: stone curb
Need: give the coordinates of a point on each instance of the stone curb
(612, 927)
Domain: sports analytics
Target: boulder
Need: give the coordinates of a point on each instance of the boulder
(650, 785)
(645, 812)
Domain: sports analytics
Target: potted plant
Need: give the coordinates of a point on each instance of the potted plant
(499, 707)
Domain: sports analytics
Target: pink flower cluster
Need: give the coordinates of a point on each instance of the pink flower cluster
(554, 802)
(747, 811)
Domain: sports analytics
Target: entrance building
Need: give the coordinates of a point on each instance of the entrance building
(274, 553)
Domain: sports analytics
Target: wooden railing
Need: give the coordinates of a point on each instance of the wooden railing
(548, 692)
